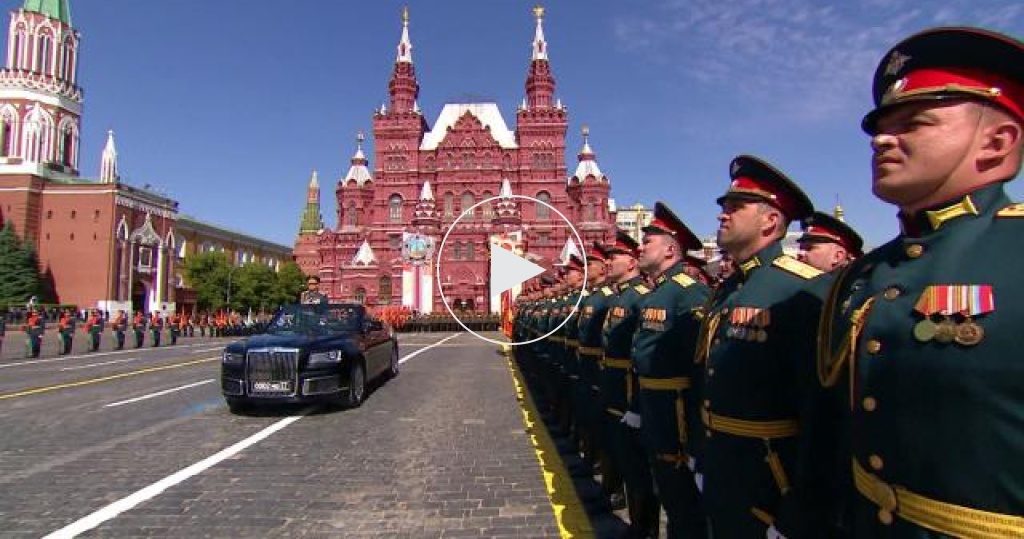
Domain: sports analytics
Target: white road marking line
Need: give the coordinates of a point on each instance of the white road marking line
(124, 504)
(421, 350)
(158, 393)
(112, 510)
(110, 353)
(111, 362)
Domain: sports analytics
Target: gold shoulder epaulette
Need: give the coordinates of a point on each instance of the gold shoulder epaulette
(1013, 210)
(796, 267)
(606, 291)
(641, 289)
(683, 280)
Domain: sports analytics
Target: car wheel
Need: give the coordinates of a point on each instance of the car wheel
(393, 371)
(356, 386)
(239, 407)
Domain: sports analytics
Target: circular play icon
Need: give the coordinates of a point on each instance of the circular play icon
(511, 261)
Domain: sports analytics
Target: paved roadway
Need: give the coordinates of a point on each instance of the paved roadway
(140, 443)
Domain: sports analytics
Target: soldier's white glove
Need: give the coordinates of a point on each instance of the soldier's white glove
(633, 420)
(772, 533)
(699, 479)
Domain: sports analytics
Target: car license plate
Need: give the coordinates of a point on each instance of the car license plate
(272, 386)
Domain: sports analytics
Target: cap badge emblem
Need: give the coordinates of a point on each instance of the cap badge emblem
(896, 62)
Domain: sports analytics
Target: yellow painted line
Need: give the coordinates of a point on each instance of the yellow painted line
(103, 379)
(570, 515)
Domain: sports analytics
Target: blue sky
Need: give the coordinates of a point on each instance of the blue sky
(229, 105)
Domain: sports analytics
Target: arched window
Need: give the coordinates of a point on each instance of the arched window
(543, 212)
(588, 214)
(350, 215)
(384, 290)
(360, 295)
(488, 207)
(457, 251)
(449, 205)
(467, 203)
(395, 208)
(45, 58)
(470, 250)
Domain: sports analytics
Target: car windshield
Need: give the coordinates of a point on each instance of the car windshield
(316, 319)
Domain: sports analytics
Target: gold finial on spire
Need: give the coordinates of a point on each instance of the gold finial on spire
(838, 211)
(405, 15)
(538, 11)
(360, 137)
(585, 131)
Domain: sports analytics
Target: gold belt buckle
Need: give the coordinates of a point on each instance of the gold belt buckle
(885, 495)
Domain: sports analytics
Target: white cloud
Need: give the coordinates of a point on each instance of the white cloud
(807, 60)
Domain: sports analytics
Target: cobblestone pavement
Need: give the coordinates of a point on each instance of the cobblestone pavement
(440, 451)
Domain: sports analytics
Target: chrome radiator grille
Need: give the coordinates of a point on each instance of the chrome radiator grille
(272, 372)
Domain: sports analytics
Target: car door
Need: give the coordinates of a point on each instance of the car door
(375, 338)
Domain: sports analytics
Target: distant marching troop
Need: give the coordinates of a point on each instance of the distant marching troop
(836, 394)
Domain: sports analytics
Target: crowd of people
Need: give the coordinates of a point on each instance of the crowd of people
(835, 394)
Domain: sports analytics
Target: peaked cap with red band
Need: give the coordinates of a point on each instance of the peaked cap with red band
(624, 244)
(597, 253)
(822, 227)
(950, 63)
(575, 263)
(754, 179)
(666, 222)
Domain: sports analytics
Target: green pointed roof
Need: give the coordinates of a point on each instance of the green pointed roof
(55, 9)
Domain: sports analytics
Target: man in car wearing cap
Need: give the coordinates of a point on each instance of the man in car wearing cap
(828, 243)
(662, 345)
(922, 335)
(757, 347)
(619, 384)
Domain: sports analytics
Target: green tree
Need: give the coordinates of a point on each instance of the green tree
(253, 287)
(291, 281)
(19, 268)
(207, 273)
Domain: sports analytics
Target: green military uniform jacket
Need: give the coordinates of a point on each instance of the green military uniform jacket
(569, 333)
(592, 312)
(618, 380)
(936, 402)
(757, 346)
(663, 346)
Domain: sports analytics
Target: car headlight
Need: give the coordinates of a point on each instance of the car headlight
(233, 358)
(325, 358)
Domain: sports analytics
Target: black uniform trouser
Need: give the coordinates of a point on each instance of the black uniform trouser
(94, 340)
(174, 336)
(66, 340)
(662, 441)
(33, 345)
(140, 337)
(156, 337)
(627, 452)
(119, 336)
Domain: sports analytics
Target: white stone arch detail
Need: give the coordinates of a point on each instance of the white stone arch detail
(170, 240)
(146, 234)
(37, 137)
(122, 229)
(68, 125)
(9, 117)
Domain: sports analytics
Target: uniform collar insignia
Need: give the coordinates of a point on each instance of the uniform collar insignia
(964, 207)
(749, 266)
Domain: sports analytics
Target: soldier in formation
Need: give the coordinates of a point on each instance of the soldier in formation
(94, 328)
(65, 331)
(34, 327)
(119, 326)
(139, 328)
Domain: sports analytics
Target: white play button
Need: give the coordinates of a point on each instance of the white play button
(508, 270)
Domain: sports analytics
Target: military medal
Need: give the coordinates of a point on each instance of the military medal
(762, 335)
(969, 333)
(925, 330)
(953, 300)
(945, 331)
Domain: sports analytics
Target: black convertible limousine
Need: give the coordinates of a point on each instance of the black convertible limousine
(324, 353)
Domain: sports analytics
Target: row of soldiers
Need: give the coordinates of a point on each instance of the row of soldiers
(870, 396)
(35, 328)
